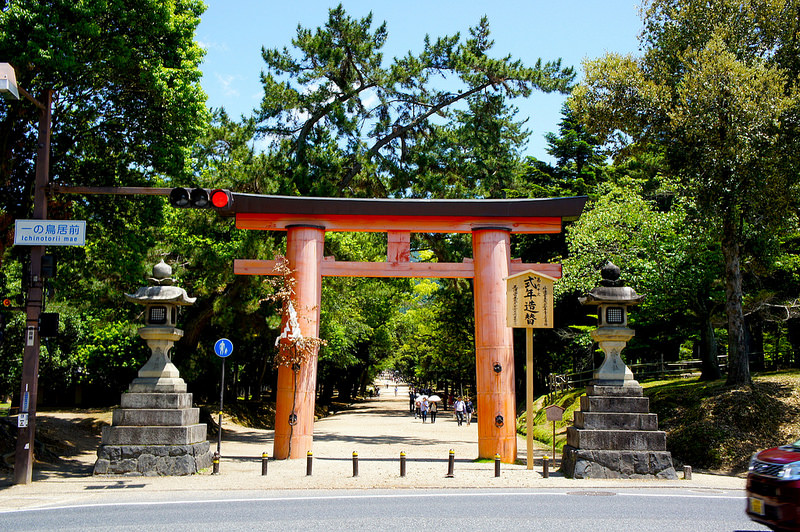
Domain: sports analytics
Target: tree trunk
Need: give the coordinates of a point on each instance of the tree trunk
(707, 352)
(754, 334)
(326, 395)
(793, 333)
(738, 363)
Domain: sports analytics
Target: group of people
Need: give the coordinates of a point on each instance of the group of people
(425, 407)
(422, 407)
(463, 410)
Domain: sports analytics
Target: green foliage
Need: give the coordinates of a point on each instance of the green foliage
(542, 428)
(127, 108)
(315, 108)
(127, 99)
(709, 425)
(716, 92)
(715, 426)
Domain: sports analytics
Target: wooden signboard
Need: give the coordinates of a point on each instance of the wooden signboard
(529, 300)
(529, 305)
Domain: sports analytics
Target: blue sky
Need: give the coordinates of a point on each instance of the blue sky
(233, 32)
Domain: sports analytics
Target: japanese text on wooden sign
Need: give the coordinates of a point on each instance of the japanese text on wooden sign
(529, 300)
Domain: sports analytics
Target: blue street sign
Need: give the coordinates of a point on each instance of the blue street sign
(223, 347)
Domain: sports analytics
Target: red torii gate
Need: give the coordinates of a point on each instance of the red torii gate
(491, 223)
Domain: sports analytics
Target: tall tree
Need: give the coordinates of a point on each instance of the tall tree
(577, 152)
(127, 105)
(333, 94)
(713, 88)
(127, 108)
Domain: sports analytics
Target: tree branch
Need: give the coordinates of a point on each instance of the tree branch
(402, 130)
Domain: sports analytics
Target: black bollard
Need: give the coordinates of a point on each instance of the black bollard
(451, 464)
(215, 461)
(309, 462)
(402, 463)
(264, 463)
(545, 466)
(355, 464)
(497, 465)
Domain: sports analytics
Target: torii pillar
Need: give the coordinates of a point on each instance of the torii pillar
(304, 248)
(494, 345)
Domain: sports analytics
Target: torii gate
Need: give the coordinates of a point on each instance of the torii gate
(491, 223)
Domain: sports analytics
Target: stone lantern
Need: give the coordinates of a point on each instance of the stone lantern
(612, 334)
(161, 303)
(614, 435)
(156, 431)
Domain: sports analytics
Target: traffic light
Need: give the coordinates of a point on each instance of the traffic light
(201, 198)
(48, 324)
(48, 270)
(12, 302)
(221, 198)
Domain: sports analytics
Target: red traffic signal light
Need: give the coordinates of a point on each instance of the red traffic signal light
(12, 303)
(201, 198)
(221, 198)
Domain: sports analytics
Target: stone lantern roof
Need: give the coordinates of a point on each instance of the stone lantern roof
(611, 290)
(163, 292)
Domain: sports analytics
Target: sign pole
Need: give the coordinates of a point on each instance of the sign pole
(529, 383)
(23, 465)
(221, 395)
(223, 348)
(529, 304)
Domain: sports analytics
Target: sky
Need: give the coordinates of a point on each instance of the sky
(233, 32)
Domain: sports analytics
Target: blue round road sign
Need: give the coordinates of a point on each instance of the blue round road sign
(223, 347)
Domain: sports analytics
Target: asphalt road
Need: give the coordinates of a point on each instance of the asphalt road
(643, 509)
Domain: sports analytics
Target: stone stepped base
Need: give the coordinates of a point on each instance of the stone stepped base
(145, 417)
(615, 421)
(153, 460)
(185, 435)
(633, 405)
(615, 436)
(156, 400)
(583, 463)
(154, 433)
(621, 440)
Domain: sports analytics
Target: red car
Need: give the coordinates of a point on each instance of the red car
(773, 487)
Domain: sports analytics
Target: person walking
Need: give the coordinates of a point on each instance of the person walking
(458, 408)
(468, 408)
(433, 410)
(423, 409)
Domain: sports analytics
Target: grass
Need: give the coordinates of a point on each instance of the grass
(709, 425)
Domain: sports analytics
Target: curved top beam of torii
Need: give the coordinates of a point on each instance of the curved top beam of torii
(399, 218)
(539, 215)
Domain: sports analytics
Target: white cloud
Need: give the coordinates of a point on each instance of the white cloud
(228, 84)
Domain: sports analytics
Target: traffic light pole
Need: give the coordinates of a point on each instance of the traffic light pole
(23, 464)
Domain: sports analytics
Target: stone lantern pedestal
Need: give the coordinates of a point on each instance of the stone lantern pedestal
(156, 430)
(614, 434)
